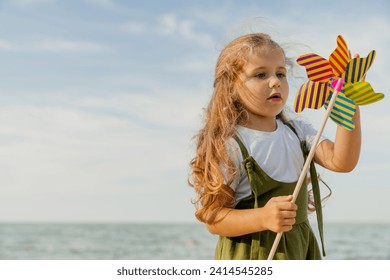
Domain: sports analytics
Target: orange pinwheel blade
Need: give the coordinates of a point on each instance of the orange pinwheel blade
(340, 57)
(318, 68)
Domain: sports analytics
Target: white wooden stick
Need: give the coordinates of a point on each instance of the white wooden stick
(308, 160)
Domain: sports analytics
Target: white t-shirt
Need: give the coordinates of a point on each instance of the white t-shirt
(278, 153)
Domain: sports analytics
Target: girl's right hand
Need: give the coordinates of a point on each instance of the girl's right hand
(279, 214)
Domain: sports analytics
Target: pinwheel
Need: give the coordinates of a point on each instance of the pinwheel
(322, 73)
(337, 83)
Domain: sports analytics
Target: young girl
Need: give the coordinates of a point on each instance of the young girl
(249, 157)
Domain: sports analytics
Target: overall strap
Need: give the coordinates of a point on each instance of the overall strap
(316, 188)
(243, 149)
(248, 163)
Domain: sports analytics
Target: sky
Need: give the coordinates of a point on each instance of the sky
(100, 100)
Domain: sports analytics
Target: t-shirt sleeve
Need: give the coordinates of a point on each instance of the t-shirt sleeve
(234, 152)
(307, 132)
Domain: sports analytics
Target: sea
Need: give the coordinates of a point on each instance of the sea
(129, 241)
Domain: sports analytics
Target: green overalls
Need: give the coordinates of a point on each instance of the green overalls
(297, 244)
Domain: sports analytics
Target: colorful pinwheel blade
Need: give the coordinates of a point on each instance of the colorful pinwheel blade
(342, 111)
(311, 95)
(318, 68)
(358, 67)
(362, 93)
(340, 57)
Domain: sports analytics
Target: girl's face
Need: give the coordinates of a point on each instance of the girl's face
(264, 75)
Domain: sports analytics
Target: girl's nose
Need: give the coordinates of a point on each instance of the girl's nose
(274, 82)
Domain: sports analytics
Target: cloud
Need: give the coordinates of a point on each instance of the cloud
(28, 2)
(170, 26)
(106, 4)
(133, 27)
(70, 46)
(115, 135)
(6, 46)
(54, 46)
(87, 152)
(171, 108)
(69, 150)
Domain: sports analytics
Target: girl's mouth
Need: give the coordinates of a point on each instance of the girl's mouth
(275, 97)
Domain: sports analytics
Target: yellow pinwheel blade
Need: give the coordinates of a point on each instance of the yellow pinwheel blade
(311, 95)
(358, 67)
(362, 93)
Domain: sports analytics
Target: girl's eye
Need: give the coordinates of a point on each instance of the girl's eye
(261, 75)
(281, 75)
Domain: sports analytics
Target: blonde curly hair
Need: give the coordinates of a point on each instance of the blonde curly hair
(212, 170)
